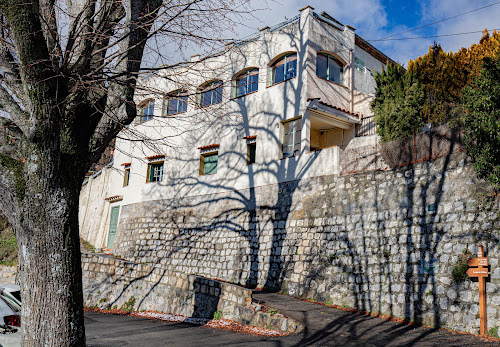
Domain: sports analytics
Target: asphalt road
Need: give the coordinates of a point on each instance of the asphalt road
(349, 330)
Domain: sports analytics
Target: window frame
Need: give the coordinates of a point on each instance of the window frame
(206, 88)
(294, 137)
(359, 64)
(245, 74)
(250, 145)
(274, 65)
(178, 95)
(126, 176)
(145, 104)
(336, 60)
(150, 174)
(205, 155)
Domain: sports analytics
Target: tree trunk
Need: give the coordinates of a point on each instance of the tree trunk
(49, 253)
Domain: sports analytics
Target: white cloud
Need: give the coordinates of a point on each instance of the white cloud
(476, 21)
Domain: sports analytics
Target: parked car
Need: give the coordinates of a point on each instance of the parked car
(10, 306)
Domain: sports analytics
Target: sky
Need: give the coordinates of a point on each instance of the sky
(377, 19)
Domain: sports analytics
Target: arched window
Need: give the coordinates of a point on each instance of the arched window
(246, 82)
(211, 93)
(329, 68)
(176, 102)
(146, 110)
(284, 68)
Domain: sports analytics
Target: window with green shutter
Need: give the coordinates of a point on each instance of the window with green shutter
(155, 172)
(209, 165)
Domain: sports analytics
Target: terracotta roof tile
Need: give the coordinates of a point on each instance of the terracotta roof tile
(335, 107)
(209, 146)
(156, 156)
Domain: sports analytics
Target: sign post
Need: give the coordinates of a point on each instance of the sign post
(481, 272)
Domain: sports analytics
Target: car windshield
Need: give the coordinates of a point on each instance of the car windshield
(17, 295)
(9, 300)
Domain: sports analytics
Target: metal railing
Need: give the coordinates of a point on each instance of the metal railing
(367, 127)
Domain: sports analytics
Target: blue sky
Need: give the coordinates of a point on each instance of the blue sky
(375, 19)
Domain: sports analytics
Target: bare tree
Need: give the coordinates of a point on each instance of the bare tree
(68, 77)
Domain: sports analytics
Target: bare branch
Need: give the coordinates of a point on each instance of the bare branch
(49, 25)
(120, 109)
(9, 105)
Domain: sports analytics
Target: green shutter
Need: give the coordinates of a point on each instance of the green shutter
(113, 224)
(210, 164)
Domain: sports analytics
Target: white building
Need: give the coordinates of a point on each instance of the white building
(280, 106)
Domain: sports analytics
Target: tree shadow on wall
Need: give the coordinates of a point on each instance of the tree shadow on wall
(262, 226)
(397, 270)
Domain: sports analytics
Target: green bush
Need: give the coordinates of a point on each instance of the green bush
(397, 104)
(459, 272)
(217, 315)
(481, 121)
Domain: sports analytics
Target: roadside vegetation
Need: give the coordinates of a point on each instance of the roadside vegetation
(8, 244)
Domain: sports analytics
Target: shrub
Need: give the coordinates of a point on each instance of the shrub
(459, 272)
(481, 122)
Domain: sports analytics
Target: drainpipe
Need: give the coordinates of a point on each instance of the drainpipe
(351, 78)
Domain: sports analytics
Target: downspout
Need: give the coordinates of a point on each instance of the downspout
(351, 80)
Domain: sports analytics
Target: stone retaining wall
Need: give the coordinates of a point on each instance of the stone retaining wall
(8, 274)
(114, 283)
(382, 241)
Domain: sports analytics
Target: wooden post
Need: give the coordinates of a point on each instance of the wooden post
(481, 272)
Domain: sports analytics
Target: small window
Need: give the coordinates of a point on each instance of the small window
(208, 163)
(246, 83)
(175, 103)
(155, 172)
(360, 65)
(329, 68)
(146, 110)
(291, 135)
(211, 94)
(251, 147)
(284, 68)
(126, 176)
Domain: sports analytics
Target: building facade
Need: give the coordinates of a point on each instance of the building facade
(282, 105)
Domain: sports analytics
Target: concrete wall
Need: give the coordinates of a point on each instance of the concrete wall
(376, 241)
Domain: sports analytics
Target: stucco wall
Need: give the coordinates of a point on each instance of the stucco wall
(379, 241)
(94, 211)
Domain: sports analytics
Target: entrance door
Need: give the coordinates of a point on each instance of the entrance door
(113, 223)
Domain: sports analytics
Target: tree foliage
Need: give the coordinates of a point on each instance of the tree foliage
(397, 103)
(481, 121)
(442, 76)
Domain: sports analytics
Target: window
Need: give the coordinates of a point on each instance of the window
(251, 147)
(155, 172)
(208, 163)
(126, 176)
(291, 136)
(146, 110)
(329, 68)
(211, 93)
(360, 65)
(246, 83)
(176, 102)
(284, 68)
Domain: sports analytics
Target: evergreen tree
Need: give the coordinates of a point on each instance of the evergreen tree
(481, 121)
(397, 104)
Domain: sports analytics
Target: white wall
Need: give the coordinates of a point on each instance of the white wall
(260, 113)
